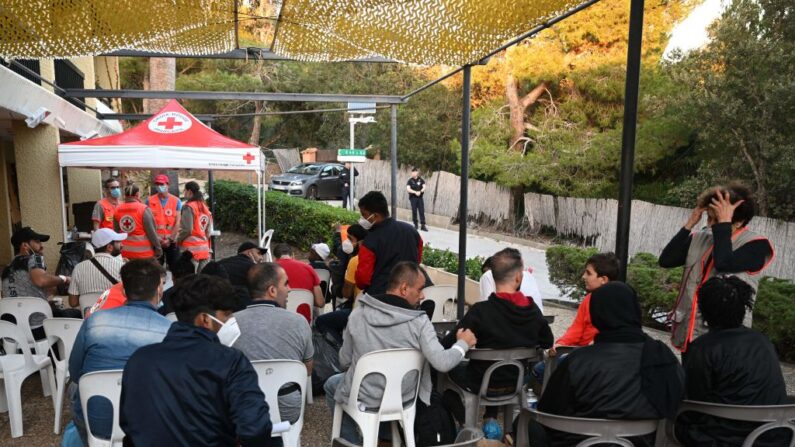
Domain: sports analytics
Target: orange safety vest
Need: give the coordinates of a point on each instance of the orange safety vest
(197, 242)
(130, 216)
(165, 218)
(108, 211)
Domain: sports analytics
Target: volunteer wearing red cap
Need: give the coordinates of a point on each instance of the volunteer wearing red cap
(166, 209)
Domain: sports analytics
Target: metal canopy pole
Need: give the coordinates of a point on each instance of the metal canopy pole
(462, 210)
(628, 135)
(393, 157)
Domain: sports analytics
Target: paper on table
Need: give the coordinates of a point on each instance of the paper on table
(280, 427)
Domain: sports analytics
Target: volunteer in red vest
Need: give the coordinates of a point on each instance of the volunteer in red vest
(194, 233)
(135, 219)
(104, 210)
(166, 209)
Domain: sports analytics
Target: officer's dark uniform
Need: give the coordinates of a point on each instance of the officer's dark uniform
(417, 203)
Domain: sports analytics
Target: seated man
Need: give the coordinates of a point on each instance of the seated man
(191, 389)
(237, 267)
(391, 321)
(509, 319)
(269, 332)
(732, 365)
(27, 276)
(623, 375)
(529, 285)
(101, 272)
(108, 338)
(319, 256)
(600, 269)
(300, 275)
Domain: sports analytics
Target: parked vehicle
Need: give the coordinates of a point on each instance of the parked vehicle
(310, 180)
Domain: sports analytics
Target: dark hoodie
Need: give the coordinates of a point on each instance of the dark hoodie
(623, 375)
(500, 324)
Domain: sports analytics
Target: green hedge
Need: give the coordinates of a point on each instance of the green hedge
(296, 221)
(774, 312)
(448, 261)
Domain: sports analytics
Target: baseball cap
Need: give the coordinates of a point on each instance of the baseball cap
(322, 250)
(105, 236)
(162, 178)
(26, 234)
(248, 245)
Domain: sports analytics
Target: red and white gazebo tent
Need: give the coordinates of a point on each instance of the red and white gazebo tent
(171, 139)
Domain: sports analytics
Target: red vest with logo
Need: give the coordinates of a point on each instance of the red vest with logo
(165, 217)
(130, 216)
(197, 243)
(108, 211)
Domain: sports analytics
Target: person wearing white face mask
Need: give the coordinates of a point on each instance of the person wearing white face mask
(388, 243)
(166, 209)
(192, 388)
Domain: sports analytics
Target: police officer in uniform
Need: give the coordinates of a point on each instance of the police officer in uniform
(416, 189)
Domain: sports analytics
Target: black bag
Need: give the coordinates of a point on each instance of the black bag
(434, 423)
(72, 253)
(326, 360)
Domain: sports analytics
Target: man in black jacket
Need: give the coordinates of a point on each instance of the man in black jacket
(732, 365)
(191, 389)
(345, 181)
(508, 319)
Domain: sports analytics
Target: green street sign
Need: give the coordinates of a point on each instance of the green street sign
(351, 152)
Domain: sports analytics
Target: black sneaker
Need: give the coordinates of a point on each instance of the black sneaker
(424, 228)
(416, 227)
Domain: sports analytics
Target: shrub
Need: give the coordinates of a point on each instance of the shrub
(657, 287)
(774, 314)
(565, 269)
(448, 261)
(295, 221)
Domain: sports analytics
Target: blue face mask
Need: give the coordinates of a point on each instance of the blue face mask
(115, 192)
(162, 188)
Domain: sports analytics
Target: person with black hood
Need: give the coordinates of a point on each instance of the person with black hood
(508, 319)
(625, 374)
(731, 364)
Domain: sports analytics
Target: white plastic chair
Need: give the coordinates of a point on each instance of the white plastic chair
(106, 384)
(272, 375)
(265, 242)
(296, 297)
(14, 369)
(444, 297)
(597, 431)
(63, 332)
(172, 316)
(325, 276)
(501, 358)
(21, 308)
(393, 365)
(87, 301)
(468, 437)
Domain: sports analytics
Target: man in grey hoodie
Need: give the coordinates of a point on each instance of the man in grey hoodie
(391, 321)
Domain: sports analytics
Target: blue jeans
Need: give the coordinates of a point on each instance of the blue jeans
(349, 430)
(333, 323)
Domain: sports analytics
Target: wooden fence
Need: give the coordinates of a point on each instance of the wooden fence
(591, 220)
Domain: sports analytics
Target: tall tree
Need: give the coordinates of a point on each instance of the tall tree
(162, 76)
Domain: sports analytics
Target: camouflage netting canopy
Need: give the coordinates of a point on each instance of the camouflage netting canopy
(427, 32)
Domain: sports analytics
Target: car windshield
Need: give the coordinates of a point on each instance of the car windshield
(305, 169)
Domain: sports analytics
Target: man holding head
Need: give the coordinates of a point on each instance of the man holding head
(268, 331)
(388, 243)
(108, 338)
(192, 388)
(102, 216)
(102, 271)
(389, 321)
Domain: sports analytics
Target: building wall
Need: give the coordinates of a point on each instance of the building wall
(85, 185)
(38, 179)
(86, 65)
(47, 71)
(6, 252)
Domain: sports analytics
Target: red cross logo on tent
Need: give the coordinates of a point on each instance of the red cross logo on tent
(170, 122)
(249, 158)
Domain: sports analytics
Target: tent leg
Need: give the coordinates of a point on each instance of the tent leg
(211, 194)
(63, 203)
(462, 210)
(259, 207)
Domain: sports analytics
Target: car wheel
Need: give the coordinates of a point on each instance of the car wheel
(311, 193)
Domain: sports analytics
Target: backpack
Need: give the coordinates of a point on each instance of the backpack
(72, 253)
(326, 360)
(434, 423)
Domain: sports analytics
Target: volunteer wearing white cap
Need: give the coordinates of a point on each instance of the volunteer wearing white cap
(318, 256)
(101, 272)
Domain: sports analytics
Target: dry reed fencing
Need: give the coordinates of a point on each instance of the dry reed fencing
(286, 158)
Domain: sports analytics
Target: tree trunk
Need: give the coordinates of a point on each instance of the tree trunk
(162, 76)
(758, 169)
(256, 127)
(518, 106)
